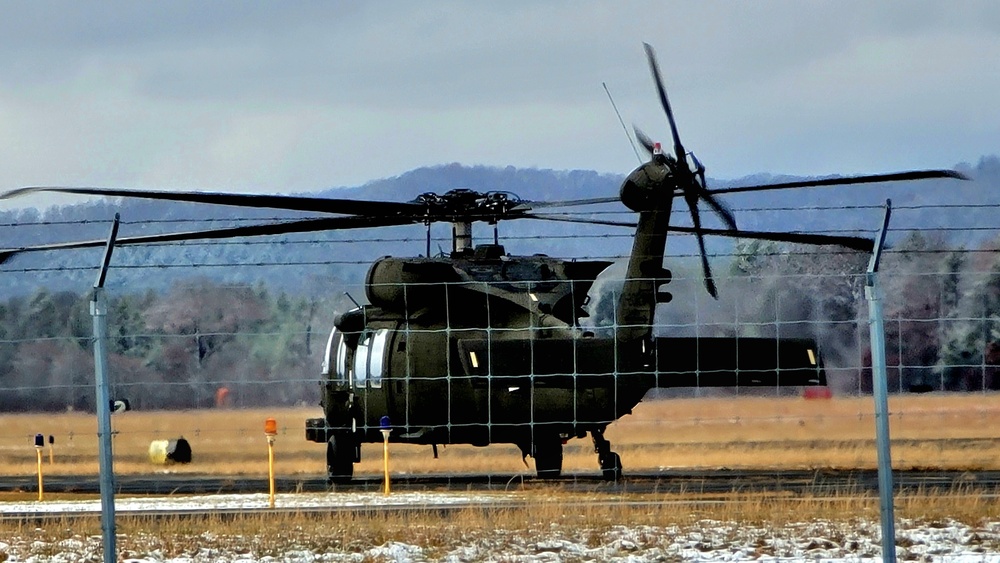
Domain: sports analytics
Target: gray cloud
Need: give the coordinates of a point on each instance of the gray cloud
(290, 97)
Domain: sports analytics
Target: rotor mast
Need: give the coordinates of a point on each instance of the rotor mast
(461, 236)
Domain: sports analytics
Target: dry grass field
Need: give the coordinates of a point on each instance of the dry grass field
(953, 431)
(543, 509)
(940, 431)
(550, 526)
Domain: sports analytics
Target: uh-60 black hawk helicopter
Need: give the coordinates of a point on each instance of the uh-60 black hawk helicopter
(479, 347)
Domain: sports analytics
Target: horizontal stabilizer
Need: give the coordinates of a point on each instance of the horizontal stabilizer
(743, 362)
(679, 362)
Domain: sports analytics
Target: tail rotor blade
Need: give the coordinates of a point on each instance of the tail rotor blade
(644, 140)
(655, 68)
(706, 269)
(721, 209)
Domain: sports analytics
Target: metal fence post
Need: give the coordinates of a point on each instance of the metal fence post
(873, 293)
(98, 309)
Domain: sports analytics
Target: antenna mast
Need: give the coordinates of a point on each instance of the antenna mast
(620, 120)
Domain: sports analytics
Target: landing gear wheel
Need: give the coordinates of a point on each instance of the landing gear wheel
(611, 467)
(339, 459)
(548, 456)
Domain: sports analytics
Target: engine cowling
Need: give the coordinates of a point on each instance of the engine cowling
(408, 284)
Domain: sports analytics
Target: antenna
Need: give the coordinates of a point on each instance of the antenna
(353, 300)
(630, 140)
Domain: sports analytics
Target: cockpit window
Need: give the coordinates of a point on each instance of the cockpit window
(325, 370)
(335, 358)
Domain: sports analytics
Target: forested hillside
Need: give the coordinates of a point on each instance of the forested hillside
(302, 263)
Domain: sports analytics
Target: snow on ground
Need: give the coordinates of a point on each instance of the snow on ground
(260, 501)
(830, 542)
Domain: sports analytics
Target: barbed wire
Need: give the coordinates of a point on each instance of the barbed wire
(8, 268)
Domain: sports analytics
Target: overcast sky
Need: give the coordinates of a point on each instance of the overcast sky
(298, 96)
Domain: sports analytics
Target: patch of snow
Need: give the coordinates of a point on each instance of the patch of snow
(707, 540)
(396, 552)
(258, 501)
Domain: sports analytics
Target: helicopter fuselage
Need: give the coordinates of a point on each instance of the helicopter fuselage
(463, 350)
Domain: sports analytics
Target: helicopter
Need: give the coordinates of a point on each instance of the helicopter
(481, 347)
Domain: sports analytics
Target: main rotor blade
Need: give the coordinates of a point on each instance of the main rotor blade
(846, 180)
(863, 244)
(561, 219)
(290, 227)
(655, 68)
(568, 202)
(270, 201)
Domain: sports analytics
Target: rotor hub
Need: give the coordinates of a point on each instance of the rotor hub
(465, 205)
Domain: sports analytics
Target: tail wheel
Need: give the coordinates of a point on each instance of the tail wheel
(340, 455)
(548, 456)
(611, 466)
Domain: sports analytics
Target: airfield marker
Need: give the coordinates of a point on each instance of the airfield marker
(270, 430)
(39, 444)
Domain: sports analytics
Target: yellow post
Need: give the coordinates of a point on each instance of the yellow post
(385, 426)
(270, 468)
(52, 441)
(41, 488)
(39, 444)
(385, 460)
(270, 430)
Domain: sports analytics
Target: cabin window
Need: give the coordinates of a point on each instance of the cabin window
(369, 358)
(361, 359)
(341, 361)
(376, 362)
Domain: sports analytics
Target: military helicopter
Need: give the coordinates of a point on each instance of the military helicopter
(480, 347)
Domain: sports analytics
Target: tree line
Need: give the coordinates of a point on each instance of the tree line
(205, 343)
(199, 344)
(941, 309)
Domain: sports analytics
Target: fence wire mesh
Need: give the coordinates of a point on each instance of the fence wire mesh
(209, 362)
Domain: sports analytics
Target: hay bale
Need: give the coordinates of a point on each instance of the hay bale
(163, 452)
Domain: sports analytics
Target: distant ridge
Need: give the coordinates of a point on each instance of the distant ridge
(159, 266)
